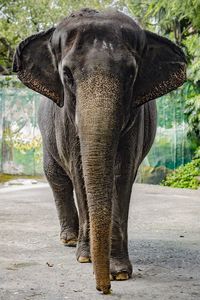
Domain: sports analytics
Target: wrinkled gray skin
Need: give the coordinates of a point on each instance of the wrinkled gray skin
(101, 69)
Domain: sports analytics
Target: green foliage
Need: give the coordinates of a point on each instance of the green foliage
(192, 111)
(21, 18)
(187, 176)
(10, 81)
(178, 20)
(191, 43)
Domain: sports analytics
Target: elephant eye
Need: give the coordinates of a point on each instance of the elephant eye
(68, 76)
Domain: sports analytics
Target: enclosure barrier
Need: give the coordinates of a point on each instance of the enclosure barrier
(21, 145)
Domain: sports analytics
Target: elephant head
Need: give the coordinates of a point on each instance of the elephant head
(98, 67)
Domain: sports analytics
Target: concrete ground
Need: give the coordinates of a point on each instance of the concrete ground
(164, 234)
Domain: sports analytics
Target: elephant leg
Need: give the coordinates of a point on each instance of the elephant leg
(127, 163)
(62, 189)
(133, 147)
(83, 245)
(120, 266)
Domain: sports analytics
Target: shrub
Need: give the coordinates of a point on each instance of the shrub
(187, 176)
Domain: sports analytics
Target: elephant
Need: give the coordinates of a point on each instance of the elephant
(101, 73)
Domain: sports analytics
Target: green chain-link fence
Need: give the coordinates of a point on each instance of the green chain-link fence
(20, 140)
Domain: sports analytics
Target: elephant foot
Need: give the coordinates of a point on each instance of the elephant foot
(120, 269)
(119, 276)
(69, 243)
(68, 239)
(83, 252)
(84, 259)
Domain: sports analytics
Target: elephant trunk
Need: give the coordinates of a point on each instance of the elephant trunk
(98, 118)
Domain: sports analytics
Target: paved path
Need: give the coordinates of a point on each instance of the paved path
(164, 234)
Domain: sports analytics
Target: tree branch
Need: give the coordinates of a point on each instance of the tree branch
(7, 45)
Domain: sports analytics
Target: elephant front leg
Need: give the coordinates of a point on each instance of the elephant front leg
(63, 194)
(120, 266)
(67, 213)
(83, 245)
(126, 169)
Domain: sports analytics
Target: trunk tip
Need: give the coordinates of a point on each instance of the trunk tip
(106, 290)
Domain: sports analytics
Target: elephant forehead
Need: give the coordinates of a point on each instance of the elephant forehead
(109, 21)
(90, 15)
(109, 31)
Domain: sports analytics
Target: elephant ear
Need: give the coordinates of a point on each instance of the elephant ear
(162, 69)
(34, 65)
